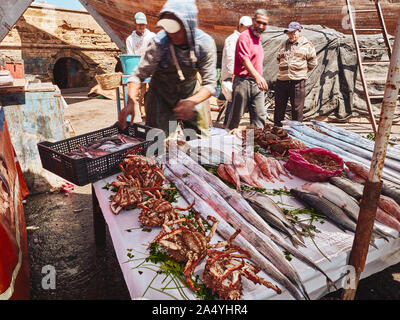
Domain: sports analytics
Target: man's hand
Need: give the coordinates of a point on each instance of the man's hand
(262, 83)
(184, 109)
(123, 114)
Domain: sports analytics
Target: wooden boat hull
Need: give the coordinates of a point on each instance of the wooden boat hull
(219, 17)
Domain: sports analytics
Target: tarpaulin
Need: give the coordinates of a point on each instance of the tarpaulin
(332, 87)
(14, 263)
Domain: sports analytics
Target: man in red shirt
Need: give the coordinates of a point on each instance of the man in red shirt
(249, 84)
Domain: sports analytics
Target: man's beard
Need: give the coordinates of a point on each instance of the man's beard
(256, 31)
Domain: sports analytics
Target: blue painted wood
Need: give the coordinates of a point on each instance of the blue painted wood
(33, 117)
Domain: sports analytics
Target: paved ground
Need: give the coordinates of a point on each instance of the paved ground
(60, 232)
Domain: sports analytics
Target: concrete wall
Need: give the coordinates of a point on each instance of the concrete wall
(44, 34)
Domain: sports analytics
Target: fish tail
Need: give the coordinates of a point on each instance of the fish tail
(296, 242)
(299, 236)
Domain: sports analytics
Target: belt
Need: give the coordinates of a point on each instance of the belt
(245, 77)
(292, 81)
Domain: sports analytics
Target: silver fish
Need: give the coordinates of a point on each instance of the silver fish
(272, 214)
(209, 156)
(391, 191)
(340, 198)
(334, 213)
(354, 138)
(350, 187)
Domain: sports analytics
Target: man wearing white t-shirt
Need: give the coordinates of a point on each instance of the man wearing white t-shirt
(228, 61)
(136, 43)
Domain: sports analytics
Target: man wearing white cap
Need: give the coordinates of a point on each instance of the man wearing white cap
(173, 58)
(228, 62)
(137, 42)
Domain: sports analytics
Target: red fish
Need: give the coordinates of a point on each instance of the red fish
(358, 169)
(389, 206)
(387, 219)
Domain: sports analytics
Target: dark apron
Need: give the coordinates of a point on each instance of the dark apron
(165, 91)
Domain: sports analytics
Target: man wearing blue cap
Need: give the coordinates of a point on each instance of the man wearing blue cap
(137, 42)
(296, 57)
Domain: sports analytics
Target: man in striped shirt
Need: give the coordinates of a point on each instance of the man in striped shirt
(296, 57)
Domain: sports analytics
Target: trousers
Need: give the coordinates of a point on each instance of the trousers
(285, 90)
(247, 94)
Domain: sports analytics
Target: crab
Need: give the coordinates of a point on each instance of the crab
(223, 271)
(156, 210)
(143, 168)
(186, 242)
(129, 194)
(276, 140)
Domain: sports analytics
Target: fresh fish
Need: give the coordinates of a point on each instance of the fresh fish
(387, 219)
(354, 138)
(344, 201)
(391, 191)
(241, 206)
(225, 230)
(229, 174)
(272, 214)
(355, 190)
(334, 195)
(257, 238)
(209, 156)
(354, 177)
(245, 169)
(297, 132)
(334, 213)
(350, 187)
(263, 164)
(390, 206)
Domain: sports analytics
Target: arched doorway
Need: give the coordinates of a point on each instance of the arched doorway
(69, 73)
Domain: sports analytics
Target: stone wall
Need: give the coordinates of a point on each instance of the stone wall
(45, 34)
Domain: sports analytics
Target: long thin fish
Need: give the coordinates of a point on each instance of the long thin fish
(354, 138)
(261, 241)
(225, 231)
(241, 206)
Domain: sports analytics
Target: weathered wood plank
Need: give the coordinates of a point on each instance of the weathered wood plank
(219, 17)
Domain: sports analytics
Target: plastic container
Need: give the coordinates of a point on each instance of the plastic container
(300, 167)
(87, 170)
(129, 62)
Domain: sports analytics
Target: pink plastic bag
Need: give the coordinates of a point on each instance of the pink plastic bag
(303, 169)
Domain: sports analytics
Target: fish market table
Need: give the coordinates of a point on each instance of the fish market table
(329, 249)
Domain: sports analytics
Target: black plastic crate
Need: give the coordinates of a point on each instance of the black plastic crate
(87, 170)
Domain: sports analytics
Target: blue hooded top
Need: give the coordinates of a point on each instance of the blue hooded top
(202, 53)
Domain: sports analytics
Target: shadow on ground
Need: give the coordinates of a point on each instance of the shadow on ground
(60, 234)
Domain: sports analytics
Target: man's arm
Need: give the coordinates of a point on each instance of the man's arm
(230, 54)
(312, 60)
(261, 82)
(147, 66)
